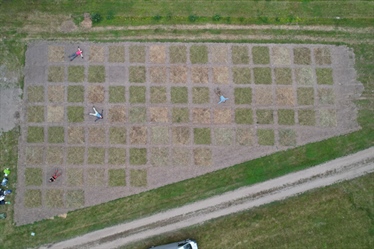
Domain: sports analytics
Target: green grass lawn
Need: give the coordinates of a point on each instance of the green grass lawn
(14, 15)
(339, 216)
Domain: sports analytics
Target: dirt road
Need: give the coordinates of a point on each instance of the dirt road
(338, 170)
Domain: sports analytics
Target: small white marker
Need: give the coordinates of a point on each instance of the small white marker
(32, 234)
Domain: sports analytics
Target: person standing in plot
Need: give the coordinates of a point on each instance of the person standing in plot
(96, 114)
(76, 54)
(55, 176)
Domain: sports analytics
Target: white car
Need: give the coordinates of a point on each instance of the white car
(185, 244)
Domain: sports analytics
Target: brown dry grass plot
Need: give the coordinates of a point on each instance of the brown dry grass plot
(96, 94)
(138, 156)
(263, 95)
(35, 114)
(281, 56)
(287, 137)
(55, 155)
(283, 76)
(54, 198)
(245, 136)
(117, 156)
(74, 177)
(265, 116)
(157, 74)
(327, 118)
(178, 54)
(76, 74)
(96, 135)
(116, 54)
(55, 114)
(240, 55)
(181, 135)
(75, 155)
(307, 117)
(200, 95)
(75, 94)
(221, 75)
(56, 74)
(137, 115)
(199, 75)
(56, 54)
(322, 56)
(180, 115)
(35, 94)
(160, 135)
(117, 177)
(304, 76)
(138, 178)
(241, 75)
(201, 115)
(260, 55)
(181, 156)
(305, 96)
(285, 96)
(222, 116)
(202, 157)
(178, 74)
(96, 177)
(159, 114)
(138, 135)
(160, 156)
(33, 198)
(158, 94)
(33, 176)
(117, 135)
(137, 94)
(117, 114)
(34, 155)
(56, 134)
(199, 54)
(76, 135)
(56, 94)
(223, 136)
(137, 54)
(137, 74)
(219, 54)
(157, 54)
(35, 134)
(96, 74)
(96, 155)
(326, 96)
(302, 56)
(97, 54)
(75, 198)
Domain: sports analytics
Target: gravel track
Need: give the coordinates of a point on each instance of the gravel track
(335, 171)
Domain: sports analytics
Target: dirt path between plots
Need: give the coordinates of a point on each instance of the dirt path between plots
(338, 170)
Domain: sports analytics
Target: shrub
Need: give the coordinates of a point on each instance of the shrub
(216, 17)
(96, 17)
(157, 18)
(228, 19)
(192, 18)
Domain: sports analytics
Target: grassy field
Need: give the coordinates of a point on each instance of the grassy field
(22, 21)
(339, 216)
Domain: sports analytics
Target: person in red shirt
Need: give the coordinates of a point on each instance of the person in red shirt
(55, 176)
(76, 54)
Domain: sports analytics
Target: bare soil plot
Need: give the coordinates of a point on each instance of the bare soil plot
(161, 114)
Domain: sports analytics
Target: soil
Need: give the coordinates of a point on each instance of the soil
(187, 159)
(278, 189)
